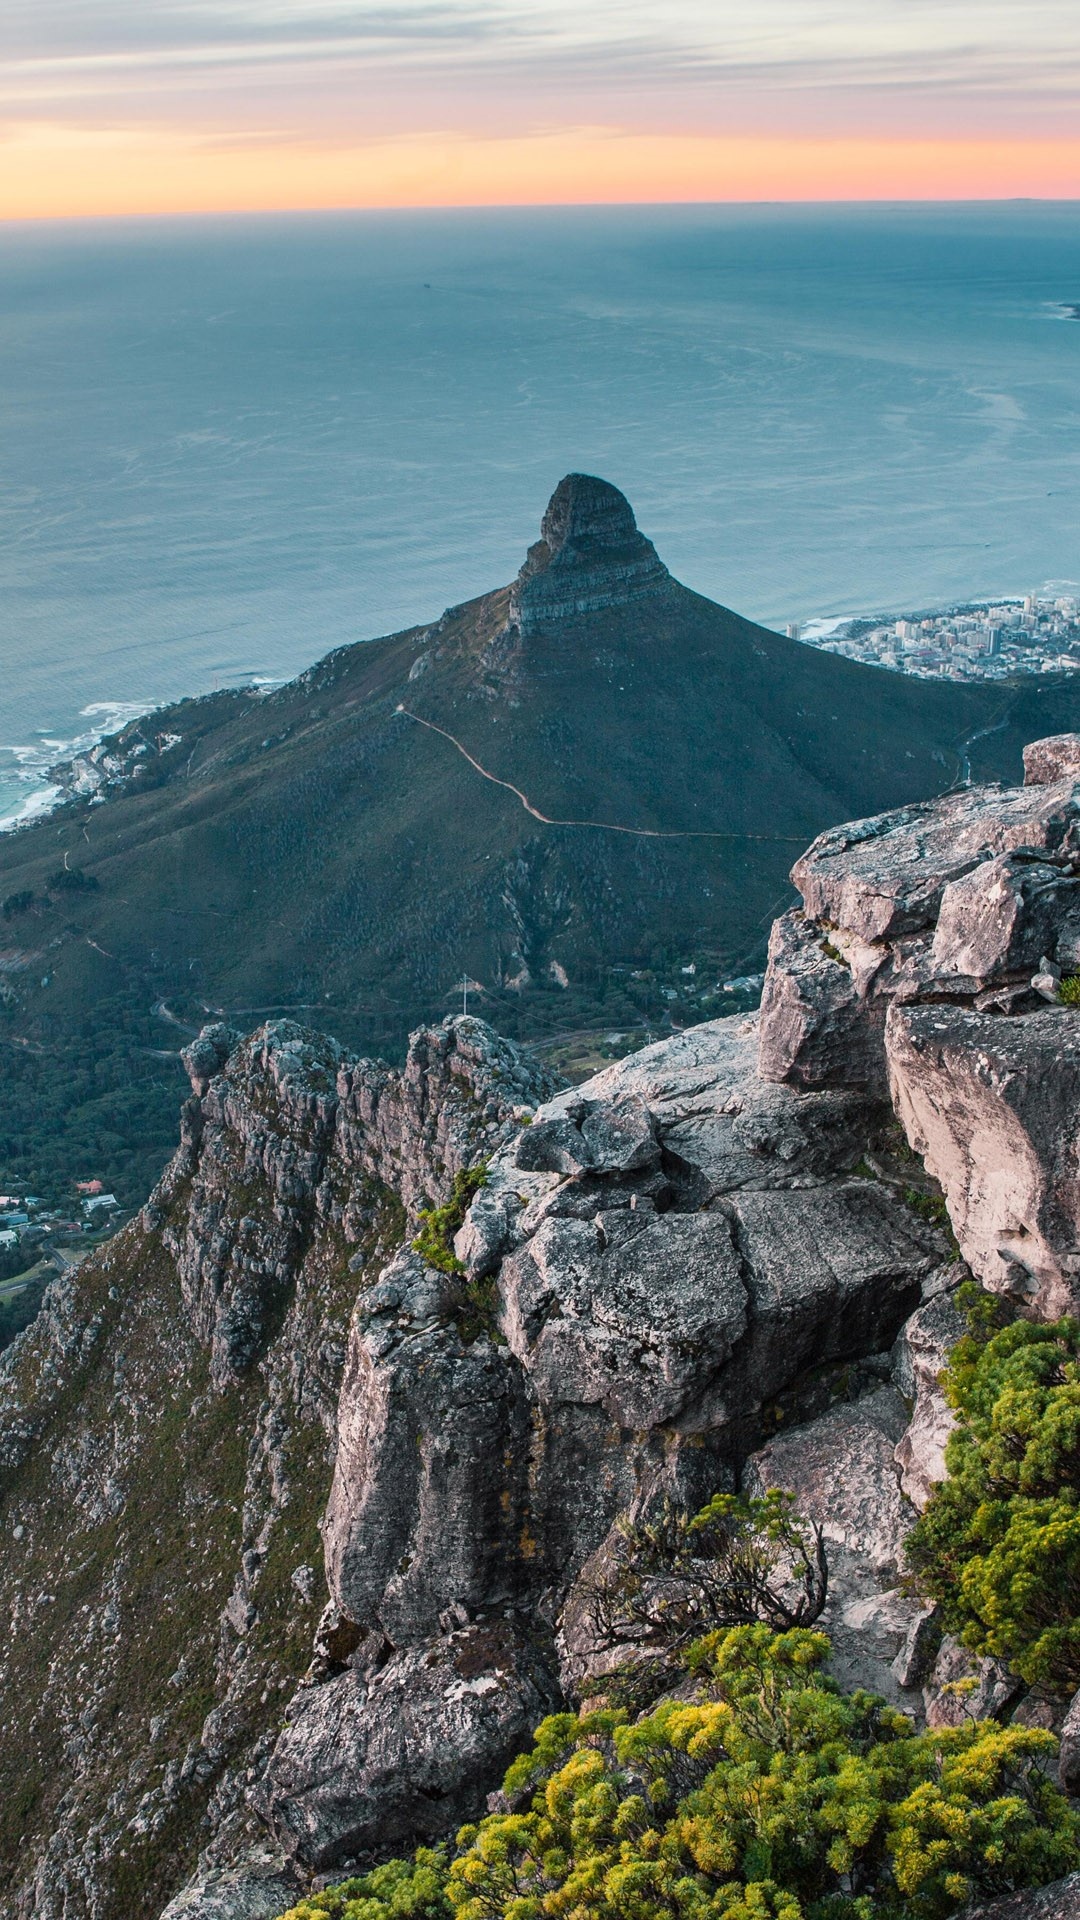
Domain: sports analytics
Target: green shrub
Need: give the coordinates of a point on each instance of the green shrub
(438, 1225)
(999, 1543)
(771, 1796)
(401, 1890)
(1069, 991)
(673, 1579)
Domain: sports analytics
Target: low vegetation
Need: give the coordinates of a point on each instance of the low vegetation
(770, 1796)
(438, 1225)
(671, 1580)
(998, 1546)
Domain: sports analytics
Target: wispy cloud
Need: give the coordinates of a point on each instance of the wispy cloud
(323, 70)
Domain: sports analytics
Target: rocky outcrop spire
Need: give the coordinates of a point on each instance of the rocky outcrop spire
(926, 962)
(590, 556)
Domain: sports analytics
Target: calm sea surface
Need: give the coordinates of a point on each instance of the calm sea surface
(228, 446)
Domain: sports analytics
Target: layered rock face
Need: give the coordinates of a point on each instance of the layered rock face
(590, 556)
(690, 1273)
(927, 961)
(662, 1266)
(168, 1428)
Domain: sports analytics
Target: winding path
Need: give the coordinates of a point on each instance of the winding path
(601, 826)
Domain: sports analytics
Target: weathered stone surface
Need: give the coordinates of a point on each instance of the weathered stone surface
(962, 1688)
(1059, 1901)
(422, 1509)
(841, 1470)
(817, 1029)
(294, 1136)
(831, 1273)
(1069, 1751)
(640, 1324)
(407, 1752)
(590, 556)
(206, 1056)
(257, 1886)
(1002, 917)
(956, 899)
(991, 1104)
(920, 1354)
(1053, 759)
(712, 1113)
(885, 876)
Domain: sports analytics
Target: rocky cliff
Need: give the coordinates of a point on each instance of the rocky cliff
(301, 1523)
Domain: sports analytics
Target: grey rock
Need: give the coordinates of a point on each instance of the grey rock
(1053, 759)
(817, 1029)
(921, 1352)
(640, 1326)
(420, 1517)
(590, 556)
(406, 1753)
(713, 1114)
(991, 1105)
(831, 1273)
(1002, 917)
(886, 876)
(206, 1056)
(913, 1664)
(1059, 1901)
(841, 1470)
(259, 1885)
(962, 1687)
(1069, 1750)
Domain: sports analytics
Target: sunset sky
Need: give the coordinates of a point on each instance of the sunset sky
(144, 106)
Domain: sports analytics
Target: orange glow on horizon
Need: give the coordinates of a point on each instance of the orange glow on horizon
(49, 172)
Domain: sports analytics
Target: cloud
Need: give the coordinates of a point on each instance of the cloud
(405, 68)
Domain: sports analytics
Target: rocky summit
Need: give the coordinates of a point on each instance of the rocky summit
(307, 1479)
(582, 791)
(590, 558)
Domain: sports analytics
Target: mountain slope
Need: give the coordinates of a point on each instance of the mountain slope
(321, 848)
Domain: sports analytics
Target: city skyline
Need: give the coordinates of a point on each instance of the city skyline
(263, 104)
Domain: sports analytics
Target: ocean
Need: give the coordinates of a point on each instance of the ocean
(229, 445)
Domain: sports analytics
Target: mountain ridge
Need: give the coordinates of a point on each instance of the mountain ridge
(242, 855)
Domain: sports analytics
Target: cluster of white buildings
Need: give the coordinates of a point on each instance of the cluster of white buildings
(26, 1217)
(989, 641)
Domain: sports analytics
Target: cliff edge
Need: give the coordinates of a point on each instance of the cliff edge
(305, 1479)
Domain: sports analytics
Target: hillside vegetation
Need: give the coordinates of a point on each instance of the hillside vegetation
(319, 853)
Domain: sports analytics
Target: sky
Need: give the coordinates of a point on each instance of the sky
(159, 106)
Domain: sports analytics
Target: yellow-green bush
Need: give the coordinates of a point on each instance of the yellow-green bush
(999, 1543)
(771, 1796)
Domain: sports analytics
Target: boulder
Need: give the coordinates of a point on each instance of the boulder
(1069, 1750)
(991, 1104)
(1059, 1901)
(886, 876)
(817, 1029)
(1003, 917)
(388, 1758)
(640, 1322)
(432, 1443)
(841, 1470)
(921, 1352)
(1053, 759)
(258, 1885)
(962, 1687)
